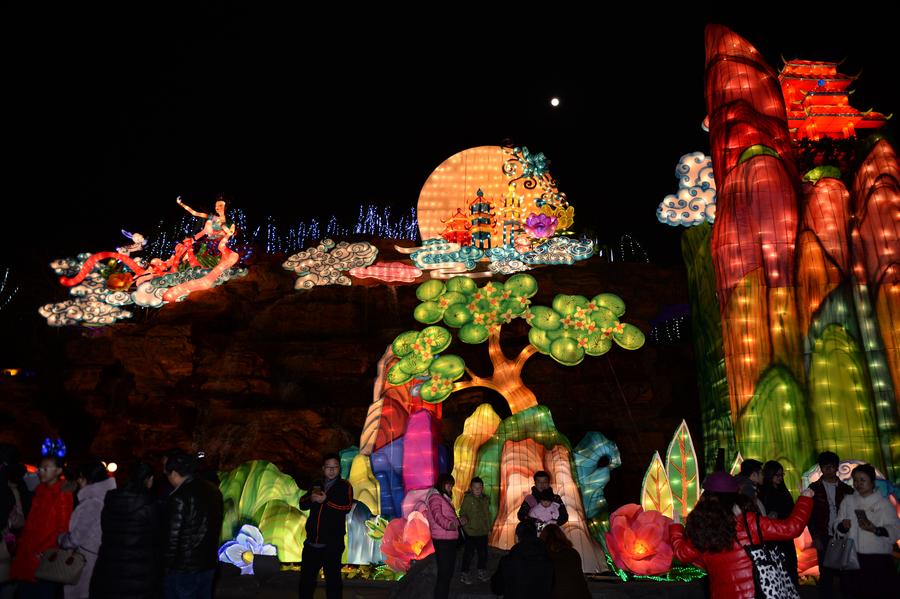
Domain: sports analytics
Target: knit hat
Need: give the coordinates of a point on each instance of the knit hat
(720, 482)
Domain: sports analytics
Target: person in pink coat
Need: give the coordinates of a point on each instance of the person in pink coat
(84, 525)
(444, 526)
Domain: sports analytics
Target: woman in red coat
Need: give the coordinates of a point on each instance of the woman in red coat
(714, 538)
(49, 516)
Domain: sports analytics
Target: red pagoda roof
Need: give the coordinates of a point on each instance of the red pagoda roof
(817, 101)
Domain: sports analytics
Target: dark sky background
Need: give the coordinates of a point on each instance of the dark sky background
(109, 116)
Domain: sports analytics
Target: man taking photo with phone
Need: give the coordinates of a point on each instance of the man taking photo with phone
(328, 502)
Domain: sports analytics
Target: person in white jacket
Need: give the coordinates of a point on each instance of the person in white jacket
(871, 521)
(84, 526)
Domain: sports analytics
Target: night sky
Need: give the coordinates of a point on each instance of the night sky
(109, 116)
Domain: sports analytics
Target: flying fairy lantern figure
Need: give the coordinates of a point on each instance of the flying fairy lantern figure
(137, 243)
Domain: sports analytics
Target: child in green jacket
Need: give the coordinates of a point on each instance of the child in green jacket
(475, 514)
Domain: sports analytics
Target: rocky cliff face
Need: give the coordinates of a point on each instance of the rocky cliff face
(255, 369)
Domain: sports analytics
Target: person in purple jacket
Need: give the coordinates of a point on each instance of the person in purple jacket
(444, 526)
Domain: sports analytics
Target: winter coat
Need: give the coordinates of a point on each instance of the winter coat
(85, 534)
(880, 512)
(193, 523)
(48, 518)
(777, 501)
(441, 517)
(478, 511)
(731, 571)
(7, 499)
(129, 565)
(818, 524)
(531, 500)
(545, 515)
(327, 521)
(568, 575)
(525, 572)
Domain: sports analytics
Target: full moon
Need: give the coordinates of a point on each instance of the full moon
(554, 102)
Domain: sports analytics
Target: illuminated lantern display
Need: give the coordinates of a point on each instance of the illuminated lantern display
(387, 465)
(105, 282)
(258, 493)
(482, 220)
(656, 492)
(818, 104)
(495, 172)
(683, 472)
(511, 216)
(417, 374)
(595, 456)
(674, 487)
(323, 264)
(478, 428)
(795, 290)
(389, 272)
(456, 229)
(366, 489)
(246, 545)
(638, 540)
(420, 458)
(406, 539)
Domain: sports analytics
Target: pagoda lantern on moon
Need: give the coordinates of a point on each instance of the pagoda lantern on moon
(483, 221)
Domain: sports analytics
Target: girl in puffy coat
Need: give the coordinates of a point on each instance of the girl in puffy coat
(714, 537)
(84, 525)
(444, 532)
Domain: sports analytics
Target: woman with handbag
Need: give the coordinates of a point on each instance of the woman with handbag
(84, 526)
(871, 522)
(49, 516)
(718, 532)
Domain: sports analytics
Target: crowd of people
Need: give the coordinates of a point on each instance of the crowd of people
(754, 508)
(148, 539)
(159, 537)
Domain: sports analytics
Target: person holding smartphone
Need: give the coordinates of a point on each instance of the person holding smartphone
(328, 502)
(871, 521)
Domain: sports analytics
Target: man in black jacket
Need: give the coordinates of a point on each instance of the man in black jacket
(328, 503)
(194, 520)
(526, 571)
(541, 482)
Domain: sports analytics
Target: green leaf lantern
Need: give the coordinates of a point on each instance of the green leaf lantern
(473, 333)
(428, 312)
(403, 343)
(463, 285)
(630, 337)
(545, 318)
(566, 351)
(611, 302)
(430, 290)
(521, 285)
(449, 366)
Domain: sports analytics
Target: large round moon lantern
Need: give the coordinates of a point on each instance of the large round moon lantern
(454, 184)
(456, 181)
